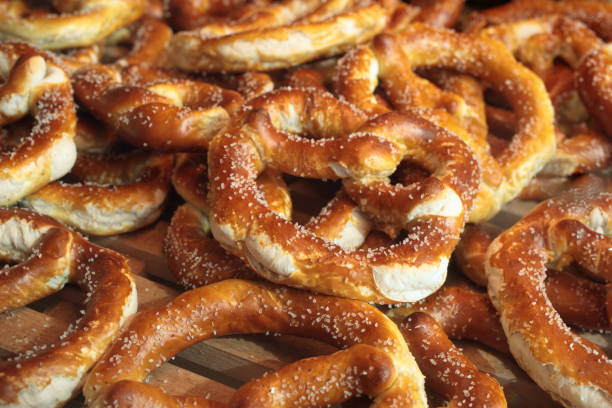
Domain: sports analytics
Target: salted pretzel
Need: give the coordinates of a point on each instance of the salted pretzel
(73, 24)
(48, 256)
(447, 370)
(390, 59)
(34, 83)
(168, 114)
(276, 47)
(387, 371)
(572, 228)
(115, 194)
(595, 14)
(579, 301)
(281, 251)
(538, 43)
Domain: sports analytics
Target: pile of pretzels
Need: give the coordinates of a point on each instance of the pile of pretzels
(316, 159)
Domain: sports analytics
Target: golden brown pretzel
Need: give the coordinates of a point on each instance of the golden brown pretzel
(392, 59)
(557, 232)
(115, 194)
(595, 14)
(281, 251)
(447, 370)
(579, 301)
(234, 306)
(34, 83)
(49, 256)
(156, 116)
(150, 38)
(77, 23)
(276, 47)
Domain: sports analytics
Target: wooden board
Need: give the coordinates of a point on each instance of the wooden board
(216, 367)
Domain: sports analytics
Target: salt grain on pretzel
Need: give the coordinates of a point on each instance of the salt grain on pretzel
(148, 119)
(433, 212)
(277, 47)
(76, 23)
(115, 194)
(34, 83)
(377, 363)
(393, 57)
(575, 227)
(49, 256)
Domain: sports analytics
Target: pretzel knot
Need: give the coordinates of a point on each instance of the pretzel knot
(49, 256)
(34, 83)
(572, 228)
(78, 23)
(433, 211)
(376, 362)
(391, 60)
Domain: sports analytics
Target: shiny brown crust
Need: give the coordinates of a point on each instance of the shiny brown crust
(116, 194)
(461, 313)
(392, 58)
(277, 47)
(84, 25)
(248, 307)
(36, 84)
(283, 252)
(446, 369)
(53, 374)
(557, 232)
(170, 115)
(595, 14)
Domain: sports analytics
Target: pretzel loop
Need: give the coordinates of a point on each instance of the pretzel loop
(51, 376)
(34, 83)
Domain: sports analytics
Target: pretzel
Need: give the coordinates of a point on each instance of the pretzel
(34, 83)
(116, 193)
(447, 370)
(190, 14)
(77, 23)
(296, 256)
(146, 116)
(276, 47)
(49, 256)
(392, 59)
(235, 306)
(558, 231)
(579, 301)
(595, 14)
